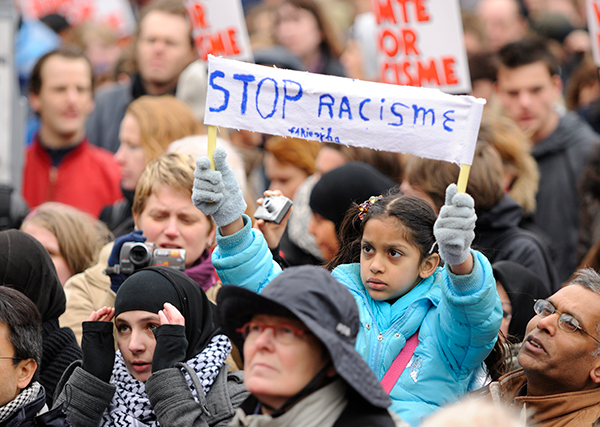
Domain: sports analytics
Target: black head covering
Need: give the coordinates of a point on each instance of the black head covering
(26, 266)
(323, 305)
(333, 194)
(149, 288)
(522, 287)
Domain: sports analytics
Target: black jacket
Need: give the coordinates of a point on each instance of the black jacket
(27, 416)
(499, 238)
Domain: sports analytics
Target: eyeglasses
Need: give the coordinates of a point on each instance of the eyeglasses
(566, 322)
(13, 358)
(284, 333)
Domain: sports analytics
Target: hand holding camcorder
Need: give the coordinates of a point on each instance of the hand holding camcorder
(136, 255)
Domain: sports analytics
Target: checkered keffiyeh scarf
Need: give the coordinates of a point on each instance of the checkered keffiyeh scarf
(26, 396)
(131, 406)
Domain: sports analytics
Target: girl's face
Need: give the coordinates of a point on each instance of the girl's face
(277, 368)
(390, 266)
(50, 242)
(130, 155)
(297, 30)
(136, 341)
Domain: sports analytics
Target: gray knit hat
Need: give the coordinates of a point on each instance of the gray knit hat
(326, 308)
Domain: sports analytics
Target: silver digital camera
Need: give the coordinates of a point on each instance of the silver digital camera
(273, 209)
(136, 255)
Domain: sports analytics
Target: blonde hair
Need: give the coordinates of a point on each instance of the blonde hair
(514, 149)
(485, 180)
(299, 152)
(80, 236)
(162, 119)
(173, 170)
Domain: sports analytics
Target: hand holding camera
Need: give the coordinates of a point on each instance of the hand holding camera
(272, 215)
(131, 252)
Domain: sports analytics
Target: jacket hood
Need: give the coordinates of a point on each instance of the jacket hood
(506, 213)
(567, 134)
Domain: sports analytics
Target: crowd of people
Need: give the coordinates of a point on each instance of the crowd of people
(138, 288)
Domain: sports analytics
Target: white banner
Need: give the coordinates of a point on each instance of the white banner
(593, 21)
(116, 14)
(420, 43)
(403, 119)
(219, 28)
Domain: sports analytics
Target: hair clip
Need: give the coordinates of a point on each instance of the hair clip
(364, 207)
(432, 247)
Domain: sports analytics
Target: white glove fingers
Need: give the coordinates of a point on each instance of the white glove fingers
(450, 193)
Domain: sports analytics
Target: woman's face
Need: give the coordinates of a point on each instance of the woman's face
(136, 341)
(284, 176)
(130, 155)
(275, 371)
(171, 221)
(50, 242)
(297, 30)
(325, 236)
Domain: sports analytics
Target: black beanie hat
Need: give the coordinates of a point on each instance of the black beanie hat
(157, 290)
(333, 194)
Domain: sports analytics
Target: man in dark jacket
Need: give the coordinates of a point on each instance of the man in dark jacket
(164, 48)
(529, 89)
(22, 399)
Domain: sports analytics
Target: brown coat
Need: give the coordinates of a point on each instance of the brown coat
(576, 409)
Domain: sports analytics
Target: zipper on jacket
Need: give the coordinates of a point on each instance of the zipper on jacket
(52, 178)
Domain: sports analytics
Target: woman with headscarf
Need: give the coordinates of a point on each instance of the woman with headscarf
(169, 369)
(27, 267)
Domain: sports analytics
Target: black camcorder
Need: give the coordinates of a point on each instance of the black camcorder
(136, 255)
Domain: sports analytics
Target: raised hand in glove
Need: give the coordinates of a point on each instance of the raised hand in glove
(171, 343)
(116, 279)
(98, 344)
(217, 192)
(454, 228)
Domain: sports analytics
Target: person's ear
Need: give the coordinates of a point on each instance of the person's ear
(558, 85)
(428, 265)
(34, 102)
(135, 221)
(26, 370)
(595, 372)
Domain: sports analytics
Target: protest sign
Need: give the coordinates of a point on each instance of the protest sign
(421, 121)
(219, 28)
(116, 14)
(420, 43)
(593, 20)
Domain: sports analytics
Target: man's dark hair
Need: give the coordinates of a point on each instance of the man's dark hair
(526, 52)
(65, 51)
(24, 323)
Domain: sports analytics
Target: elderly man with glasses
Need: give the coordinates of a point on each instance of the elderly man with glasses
(559, 383)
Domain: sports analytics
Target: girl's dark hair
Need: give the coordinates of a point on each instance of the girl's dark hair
(415, 215)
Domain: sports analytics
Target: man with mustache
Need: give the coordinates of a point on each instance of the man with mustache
(559, 383)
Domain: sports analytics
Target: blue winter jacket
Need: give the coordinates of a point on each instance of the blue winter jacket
(458, 318)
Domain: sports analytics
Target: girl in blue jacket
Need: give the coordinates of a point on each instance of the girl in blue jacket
(389, 263)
